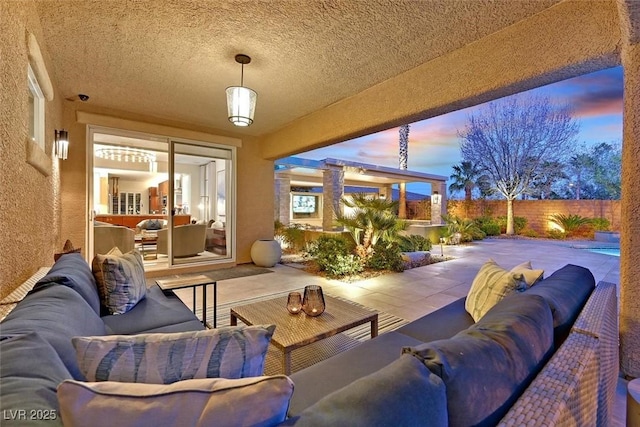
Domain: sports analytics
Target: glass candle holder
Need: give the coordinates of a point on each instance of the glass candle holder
(294, 303)
(313, 301)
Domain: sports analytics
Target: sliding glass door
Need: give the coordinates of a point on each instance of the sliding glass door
(201, 187)
(172, 200)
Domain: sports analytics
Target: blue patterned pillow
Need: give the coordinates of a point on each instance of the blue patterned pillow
(231, 352)
(120, 279)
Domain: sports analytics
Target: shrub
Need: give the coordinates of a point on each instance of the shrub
(386, 256)
(529, 232)
(291, 236)
(488, 225)
(413, 243)
(464, 229)
(554, 233)
(570, 223)
(332, 254)
(600, 224)
(519, 223)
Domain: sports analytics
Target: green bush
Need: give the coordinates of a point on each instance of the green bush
(413, 243)
(488, 225)
(528, 232)
(519, 223)
(386, 256)
(291, 236)
(554, 233)
(600, 224)
(463, 228)
(570, 223)
(332, 254)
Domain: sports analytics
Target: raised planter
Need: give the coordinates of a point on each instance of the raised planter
(607, 236)
(415, 259)
(266, 253)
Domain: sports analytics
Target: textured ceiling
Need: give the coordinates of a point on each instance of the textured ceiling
(174, 59)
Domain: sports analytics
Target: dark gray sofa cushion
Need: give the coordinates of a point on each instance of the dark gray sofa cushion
(73, 271)
(485, 368)
(57, 313)
(317, 381)
(440, 324)
(403, 393)
(156, 311)
(27, 384)
(566, 291)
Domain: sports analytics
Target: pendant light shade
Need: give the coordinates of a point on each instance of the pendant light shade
(241, 101)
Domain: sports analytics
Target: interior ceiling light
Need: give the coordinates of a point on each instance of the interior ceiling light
(126, 154)
(241, 101)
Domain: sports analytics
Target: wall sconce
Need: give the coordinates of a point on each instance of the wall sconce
(62, 144)
(436, 198)
(241, 101)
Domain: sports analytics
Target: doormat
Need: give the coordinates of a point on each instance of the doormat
(241, 270)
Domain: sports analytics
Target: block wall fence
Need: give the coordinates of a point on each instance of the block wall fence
(537, 212)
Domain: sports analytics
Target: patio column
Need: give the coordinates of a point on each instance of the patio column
(437, 209)
(630, 204)
(332, 191)
(282, 203)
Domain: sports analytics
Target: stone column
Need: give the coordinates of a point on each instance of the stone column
(332, 191)
(437, 209)
(630, 216)
(282, 203)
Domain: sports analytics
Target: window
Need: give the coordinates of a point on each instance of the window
(36, 110)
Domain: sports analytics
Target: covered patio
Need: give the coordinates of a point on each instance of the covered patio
(334, 175)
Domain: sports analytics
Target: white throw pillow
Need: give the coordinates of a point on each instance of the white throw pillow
(230, 352)
(261, 401)
(490, 286)
(530, 276)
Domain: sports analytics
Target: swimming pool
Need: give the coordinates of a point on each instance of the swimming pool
(606, 251)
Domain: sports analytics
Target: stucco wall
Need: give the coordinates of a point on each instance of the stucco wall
(29, 204)
(255, 196)
(563, 41)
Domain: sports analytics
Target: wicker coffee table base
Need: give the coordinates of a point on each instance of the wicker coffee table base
(308, 355)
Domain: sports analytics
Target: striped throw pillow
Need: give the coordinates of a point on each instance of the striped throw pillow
(491, 284)
(230, 352)
(120, 279)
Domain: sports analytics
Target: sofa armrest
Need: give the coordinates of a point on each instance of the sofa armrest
(577, 386)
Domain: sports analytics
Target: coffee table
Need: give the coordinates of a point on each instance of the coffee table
(294, 331)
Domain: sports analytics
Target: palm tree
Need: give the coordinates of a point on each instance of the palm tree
(372, 219)
(464, 175)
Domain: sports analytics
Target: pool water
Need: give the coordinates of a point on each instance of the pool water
(612, 252)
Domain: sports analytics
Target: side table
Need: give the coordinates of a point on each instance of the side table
(194, 282)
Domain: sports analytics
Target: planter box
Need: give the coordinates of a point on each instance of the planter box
(607, 236)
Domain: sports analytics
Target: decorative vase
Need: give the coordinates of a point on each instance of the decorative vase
(313, 301)
(266, 253)
(294, 303)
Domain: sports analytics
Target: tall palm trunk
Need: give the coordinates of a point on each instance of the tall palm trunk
(403, 159)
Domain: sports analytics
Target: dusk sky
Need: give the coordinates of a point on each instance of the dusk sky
(434, 146)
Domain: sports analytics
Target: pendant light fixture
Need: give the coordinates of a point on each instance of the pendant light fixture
(241, 101)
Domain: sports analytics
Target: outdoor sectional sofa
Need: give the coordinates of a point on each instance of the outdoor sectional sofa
(546, 356)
